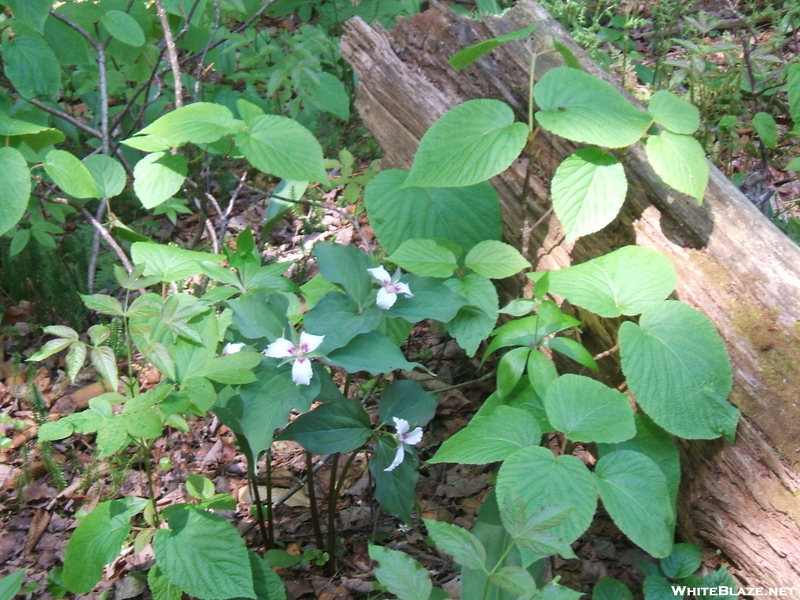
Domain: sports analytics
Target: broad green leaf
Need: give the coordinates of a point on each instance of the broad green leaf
(326, 92)
(459, 543)
(338, 426)
(158, 177)
(247, 110)
(510, 369)
(609, 588)
(680, 161)
(282, 147)
(261, 315)
(464, 216)
(50, 348)
(657, 445)
(684, 560)
(160, 586)
(107, 173)
(541, 479)
(473, 323)
(105, 362)
(199, 123)
(794, 165)
(146, 424)
(123, 27)
(394, 490)
(425, 257)
(657, 587)
(169, 263)
(553, 591)
(469, 144)
(793, 92)
(515, 580)
(337, 317)
(622, 282)
(490, 437)
(572, 349)
(689, 397)
(96, 542)
(204, 555)
(401, 574)
(588, 191)
(470, 54)
(674, 113)
(372, 352)
(267, 583)
(11, 584)
(588, 411)
(31, 12)
(104, 304)
(767, 129)
(70, 174)
(55, 430)
(347, 266)
(634, 492)
(31, 66)
(432, 299)
(541, 372)
(16, 188)
(584, 108)
(407, 399)
(16, 127)
(495, 260)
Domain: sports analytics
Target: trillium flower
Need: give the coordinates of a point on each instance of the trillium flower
(296, 354)
(390, 287)
(232, 348)
(404, 438)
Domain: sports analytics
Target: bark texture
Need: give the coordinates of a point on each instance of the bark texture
(732, 264)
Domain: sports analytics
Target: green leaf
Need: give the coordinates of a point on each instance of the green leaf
(459, 543)
(515, 580)
(104, 304)
(407, 399)
(584, 108)
(16, 188)
(266, 582)
(394, 490)
(674, 113)
(656, 587)
(96, 542)
(282, 147)
(158, 177)
(793, 92)
(634, 492)
(424, 257)
(19, 240)
(490, 437)
(204, 555)
(261, 315)
(146, 423)
(495, 260)
(199, 123)
(169, 263)
(160, 586)
(680, 161)
(510, 369)
(767, 129)
(689, 397)
(609, 588)
(553, 591)
(50, 348)
(588, 190)
(684, 560)
(541, 479)
(326, 92)
(473, 324)
(112, 436)
(372, 352)
(464, 216)
(794, 165)
(588, 411)
(31, 12)
(107, 173)
(470, 54)
(56, 430)
(541, 372)
(572, 349)
(338, 426)
(622, 282)
(247, 110)
(11, 584)
(347, 266)
(200, 487)
(123, 27)
(70, 174)
(105, 362)
(31, 67)
(432, 300)
(401, 574)
(337, 317)
(469, 144)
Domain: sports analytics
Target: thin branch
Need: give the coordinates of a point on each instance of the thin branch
(67, 117)
(201, 62)
(481, 379)
(172, 53)
(608, 352)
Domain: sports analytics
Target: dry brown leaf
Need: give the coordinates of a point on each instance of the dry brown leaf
(41, 519)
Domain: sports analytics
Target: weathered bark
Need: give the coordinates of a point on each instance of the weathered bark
(732, 264)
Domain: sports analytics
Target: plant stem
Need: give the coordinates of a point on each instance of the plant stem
(312, 500)
(332, 514)
(270, 524)
(251, 476)
(148, 469)
(172, 53)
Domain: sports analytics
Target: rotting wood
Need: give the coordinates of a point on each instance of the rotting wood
(732, 263)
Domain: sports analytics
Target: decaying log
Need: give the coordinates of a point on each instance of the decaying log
(732, 263)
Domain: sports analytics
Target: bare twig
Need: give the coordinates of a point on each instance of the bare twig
(67, 117)
(172, 53)
(201, 62)
(608, 352)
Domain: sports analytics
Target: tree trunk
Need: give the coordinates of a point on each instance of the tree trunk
(732, 264)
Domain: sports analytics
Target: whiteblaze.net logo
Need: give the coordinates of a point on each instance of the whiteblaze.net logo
(682, 591)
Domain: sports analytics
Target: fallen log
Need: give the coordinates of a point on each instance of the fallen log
(732, 264)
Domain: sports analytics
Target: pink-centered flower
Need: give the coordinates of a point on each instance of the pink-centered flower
(296, 354)
(404, 438)
(390, 287)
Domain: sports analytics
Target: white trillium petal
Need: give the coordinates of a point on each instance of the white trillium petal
(280, 348)
(301, 371)
(232, 348)
(402, 288)
(401, 425)
(309, 342)
(381, 274)
(385, 300)
(413, 438)
(398, 457)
